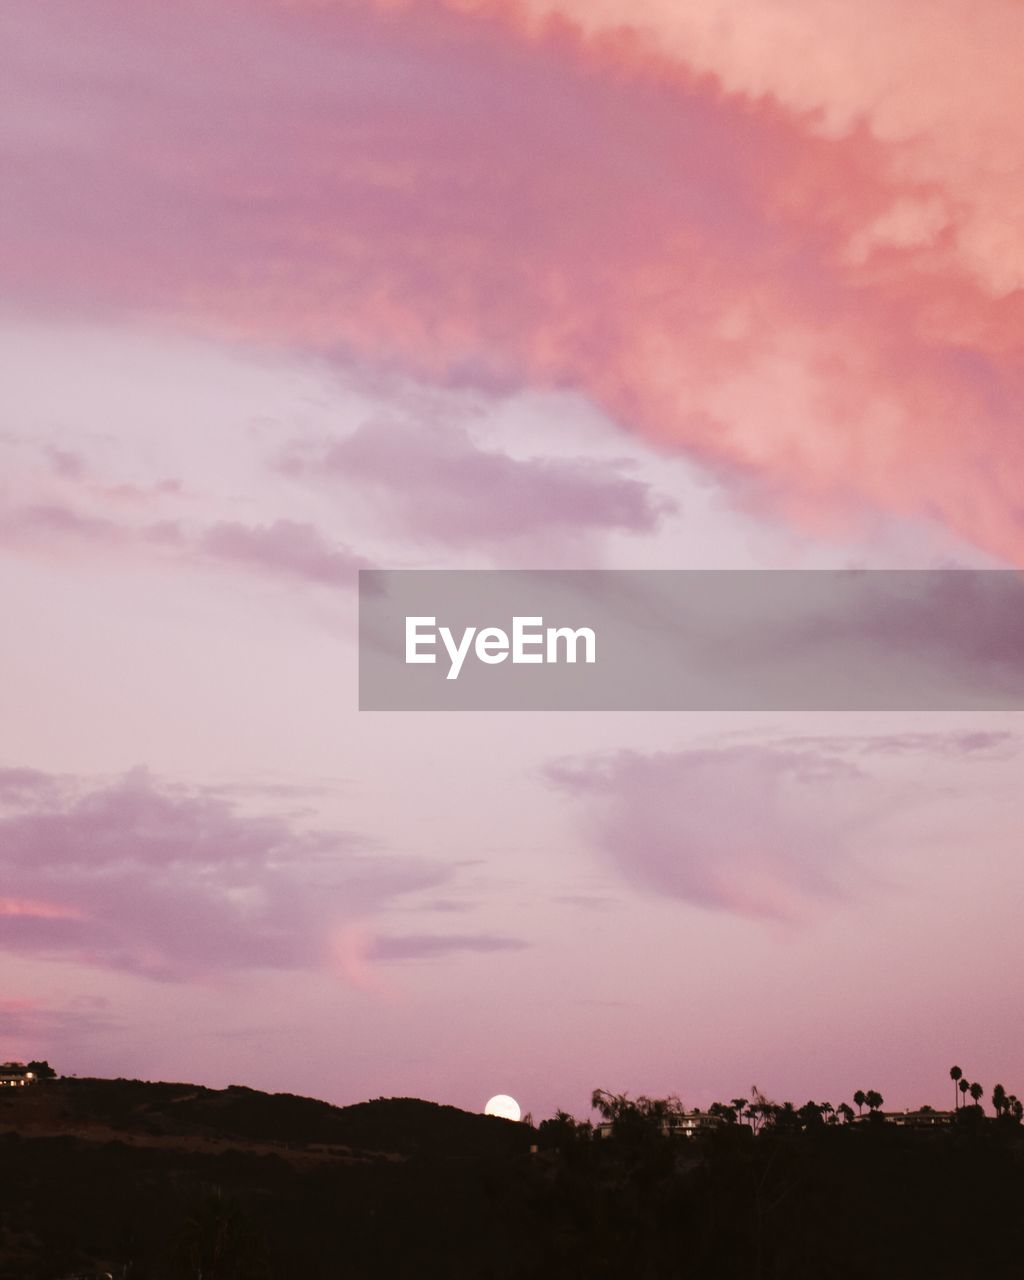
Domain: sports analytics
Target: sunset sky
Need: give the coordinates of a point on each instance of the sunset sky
(294, 287)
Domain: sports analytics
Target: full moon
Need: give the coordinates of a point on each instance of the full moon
(502, 1105)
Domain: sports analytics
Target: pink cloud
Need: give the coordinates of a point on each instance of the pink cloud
(37, 910)
(357, 952)
(931, 79)
(739, 829)
(790, 266)
(788, 830)
(67, 465)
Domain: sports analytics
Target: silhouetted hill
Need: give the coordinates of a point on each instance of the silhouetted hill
(112, 1172)
(394, 1126)
(168, 1181)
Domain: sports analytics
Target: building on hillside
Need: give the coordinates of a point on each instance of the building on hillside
(690, 1123)
(922, 1118)
(13, 1075)
(682, 1124)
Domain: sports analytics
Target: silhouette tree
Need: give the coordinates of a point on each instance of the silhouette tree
(956, 1075)
(563, 1131)
(999, 1100)
(788, 1117)
(761, 1111)
(859, 1098)
(611, 1106)
(977, 1091)
(846, 1111)
(723, 1111)
(811, 1115)
(964, 1088)
(616, 1109)
(636, 1121)
(873, 1099)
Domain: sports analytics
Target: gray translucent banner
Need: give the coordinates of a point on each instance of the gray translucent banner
(846, 640)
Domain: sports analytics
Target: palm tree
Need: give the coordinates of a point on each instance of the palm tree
(956, 1075)
(964, 1087)
(724, 1110)
(608, 1105)
(761, 1110)
(976, 1093)
(812, 1114)
(846, 1111)
(874, 1100)
(859, 1098)
(999, 1100)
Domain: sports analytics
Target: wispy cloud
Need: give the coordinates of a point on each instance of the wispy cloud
(751, 830)
(437, 483)
(280, 549)
(286, 547)
(780, 828)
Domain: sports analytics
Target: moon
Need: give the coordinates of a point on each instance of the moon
(502, 1105)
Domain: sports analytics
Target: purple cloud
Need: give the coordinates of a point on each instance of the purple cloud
(439, 483)
(432, 946)
(64, 521)
(22, 785)
(172, 883)
(286, 547)
(282, 549)
(964, 744)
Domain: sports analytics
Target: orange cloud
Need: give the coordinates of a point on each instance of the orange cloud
(938, 79)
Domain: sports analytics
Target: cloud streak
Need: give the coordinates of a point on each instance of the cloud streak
(288, 548)
(437, 946)
(441, 485)
(279, 549)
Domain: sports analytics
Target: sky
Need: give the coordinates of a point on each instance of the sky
(294, 287)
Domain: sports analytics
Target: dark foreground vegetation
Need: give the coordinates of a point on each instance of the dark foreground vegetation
(161, 1181)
